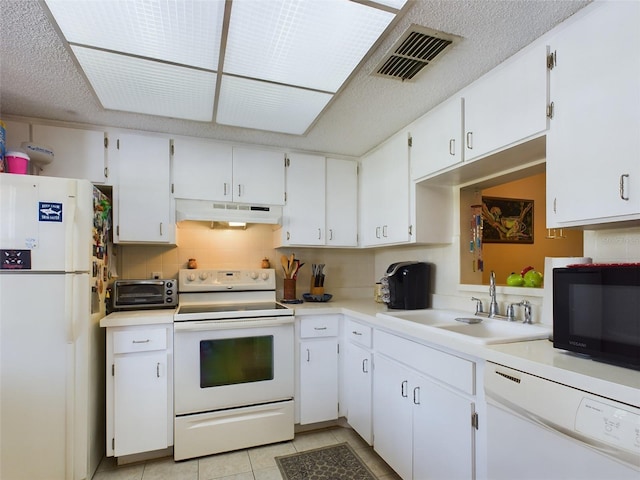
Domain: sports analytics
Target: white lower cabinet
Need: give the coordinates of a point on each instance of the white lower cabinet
(318, 368)
(393, 415)
(423, 427)
(139, 389)
(358, 378)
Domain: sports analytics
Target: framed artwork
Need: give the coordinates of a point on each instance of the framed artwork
(507, 220)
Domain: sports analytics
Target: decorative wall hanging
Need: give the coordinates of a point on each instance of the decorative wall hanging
(507, 220)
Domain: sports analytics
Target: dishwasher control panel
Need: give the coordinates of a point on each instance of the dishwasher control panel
(609, 423)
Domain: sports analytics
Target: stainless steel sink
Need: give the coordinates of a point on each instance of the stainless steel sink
(487, 331)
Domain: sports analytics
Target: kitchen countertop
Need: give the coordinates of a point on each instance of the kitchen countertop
(535, 357)
(138, 317)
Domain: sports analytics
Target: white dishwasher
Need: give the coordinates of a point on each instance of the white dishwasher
(540, 429)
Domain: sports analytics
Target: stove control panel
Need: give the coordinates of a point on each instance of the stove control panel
(210, 280)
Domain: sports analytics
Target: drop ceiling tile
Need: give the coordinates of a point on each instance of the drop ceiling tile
(314, 44)
(179, 31)
(142, 86)
(267, 106)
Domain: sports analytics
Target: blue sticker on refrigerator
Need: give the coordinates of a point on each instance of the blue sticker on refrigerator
(49, 212)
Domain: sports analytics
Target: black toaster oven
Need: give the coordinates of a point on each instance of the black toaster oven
(135, 294)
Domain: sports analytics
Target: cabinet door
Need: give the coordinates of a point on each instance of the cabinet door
(258, 176)
(318, 380)
(140, 403)
(16, 133)
(144, 206)
(341, 203)
(358, 382)
(202, 169)
(392, 415)
(304, 213)
(593, 144)
(437, 139)
(507, 105)
(441, 425)
(77, 153)
(384, 203)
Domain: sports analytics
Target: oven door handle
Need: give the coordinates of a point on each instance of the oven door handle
(198, 326)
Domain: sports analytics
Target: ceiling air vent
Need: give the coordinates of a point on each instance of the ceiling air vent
(417, 48)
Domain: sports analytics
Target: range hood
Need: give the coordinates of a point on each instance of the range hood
(206, 210)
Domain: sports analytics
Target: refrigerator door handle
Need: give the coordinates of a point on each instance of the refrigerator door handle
(70, 227)
(69, 310)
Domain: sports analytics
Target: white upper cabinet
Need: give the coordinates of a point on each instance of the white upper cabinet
(507, 105)
(144, 210)
(437, 139)
(77, 153)
(202, 169)
(16, 133)
(258, 176)
(341, 203)
(593, 145)
(384, 193)
(322, 202)
(304, 213)
(208, 170)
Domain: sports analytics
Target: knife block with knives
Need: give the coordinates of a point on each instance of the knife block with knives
(317, 279)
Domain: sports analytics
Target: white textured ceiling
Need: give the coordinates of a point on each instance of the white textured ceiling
(38, 77)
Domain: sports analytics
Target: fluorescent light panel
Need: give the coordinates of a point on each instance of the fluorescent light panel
(311, 44)
(285, 58)
(178, 31)
(267, 106)
(142, 86)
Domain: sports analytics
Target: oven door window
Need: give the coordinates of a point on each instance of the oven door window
(231, 361)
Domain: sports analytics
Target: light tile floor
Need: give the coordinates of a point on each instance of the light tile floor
(256, 463)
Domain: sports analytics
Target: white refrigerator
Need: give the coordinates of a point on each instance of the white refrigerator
(53, 238)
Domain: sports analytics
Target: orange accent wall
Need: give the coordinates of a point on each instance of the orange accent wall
(506, 258)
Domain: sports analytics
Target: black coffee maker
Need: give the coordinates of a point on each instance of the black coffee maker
(406, 285)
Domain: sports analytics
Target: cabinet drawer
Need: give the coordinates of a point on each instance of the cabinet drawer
(358, 333)
(319, 326)
(455, 371)
(128, 341)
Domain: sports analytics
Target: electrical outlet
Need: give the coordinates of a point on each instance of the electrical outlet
(156, 275)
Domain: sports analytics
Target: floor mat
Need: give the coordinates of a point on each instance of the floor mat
(337, 462)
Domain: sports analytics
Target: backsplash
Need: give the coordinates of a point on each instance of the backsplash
(615, 245)
(349, 272)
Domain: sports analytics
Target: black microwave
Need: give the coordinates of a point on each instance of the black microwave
(596, 312)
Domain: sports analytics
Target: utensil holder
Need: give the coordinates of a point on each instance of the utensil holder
(289, 289)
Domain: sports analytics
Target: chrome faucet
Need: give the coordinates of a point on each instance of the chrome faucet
(527, 311)
(493, 306)
(479, 309)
